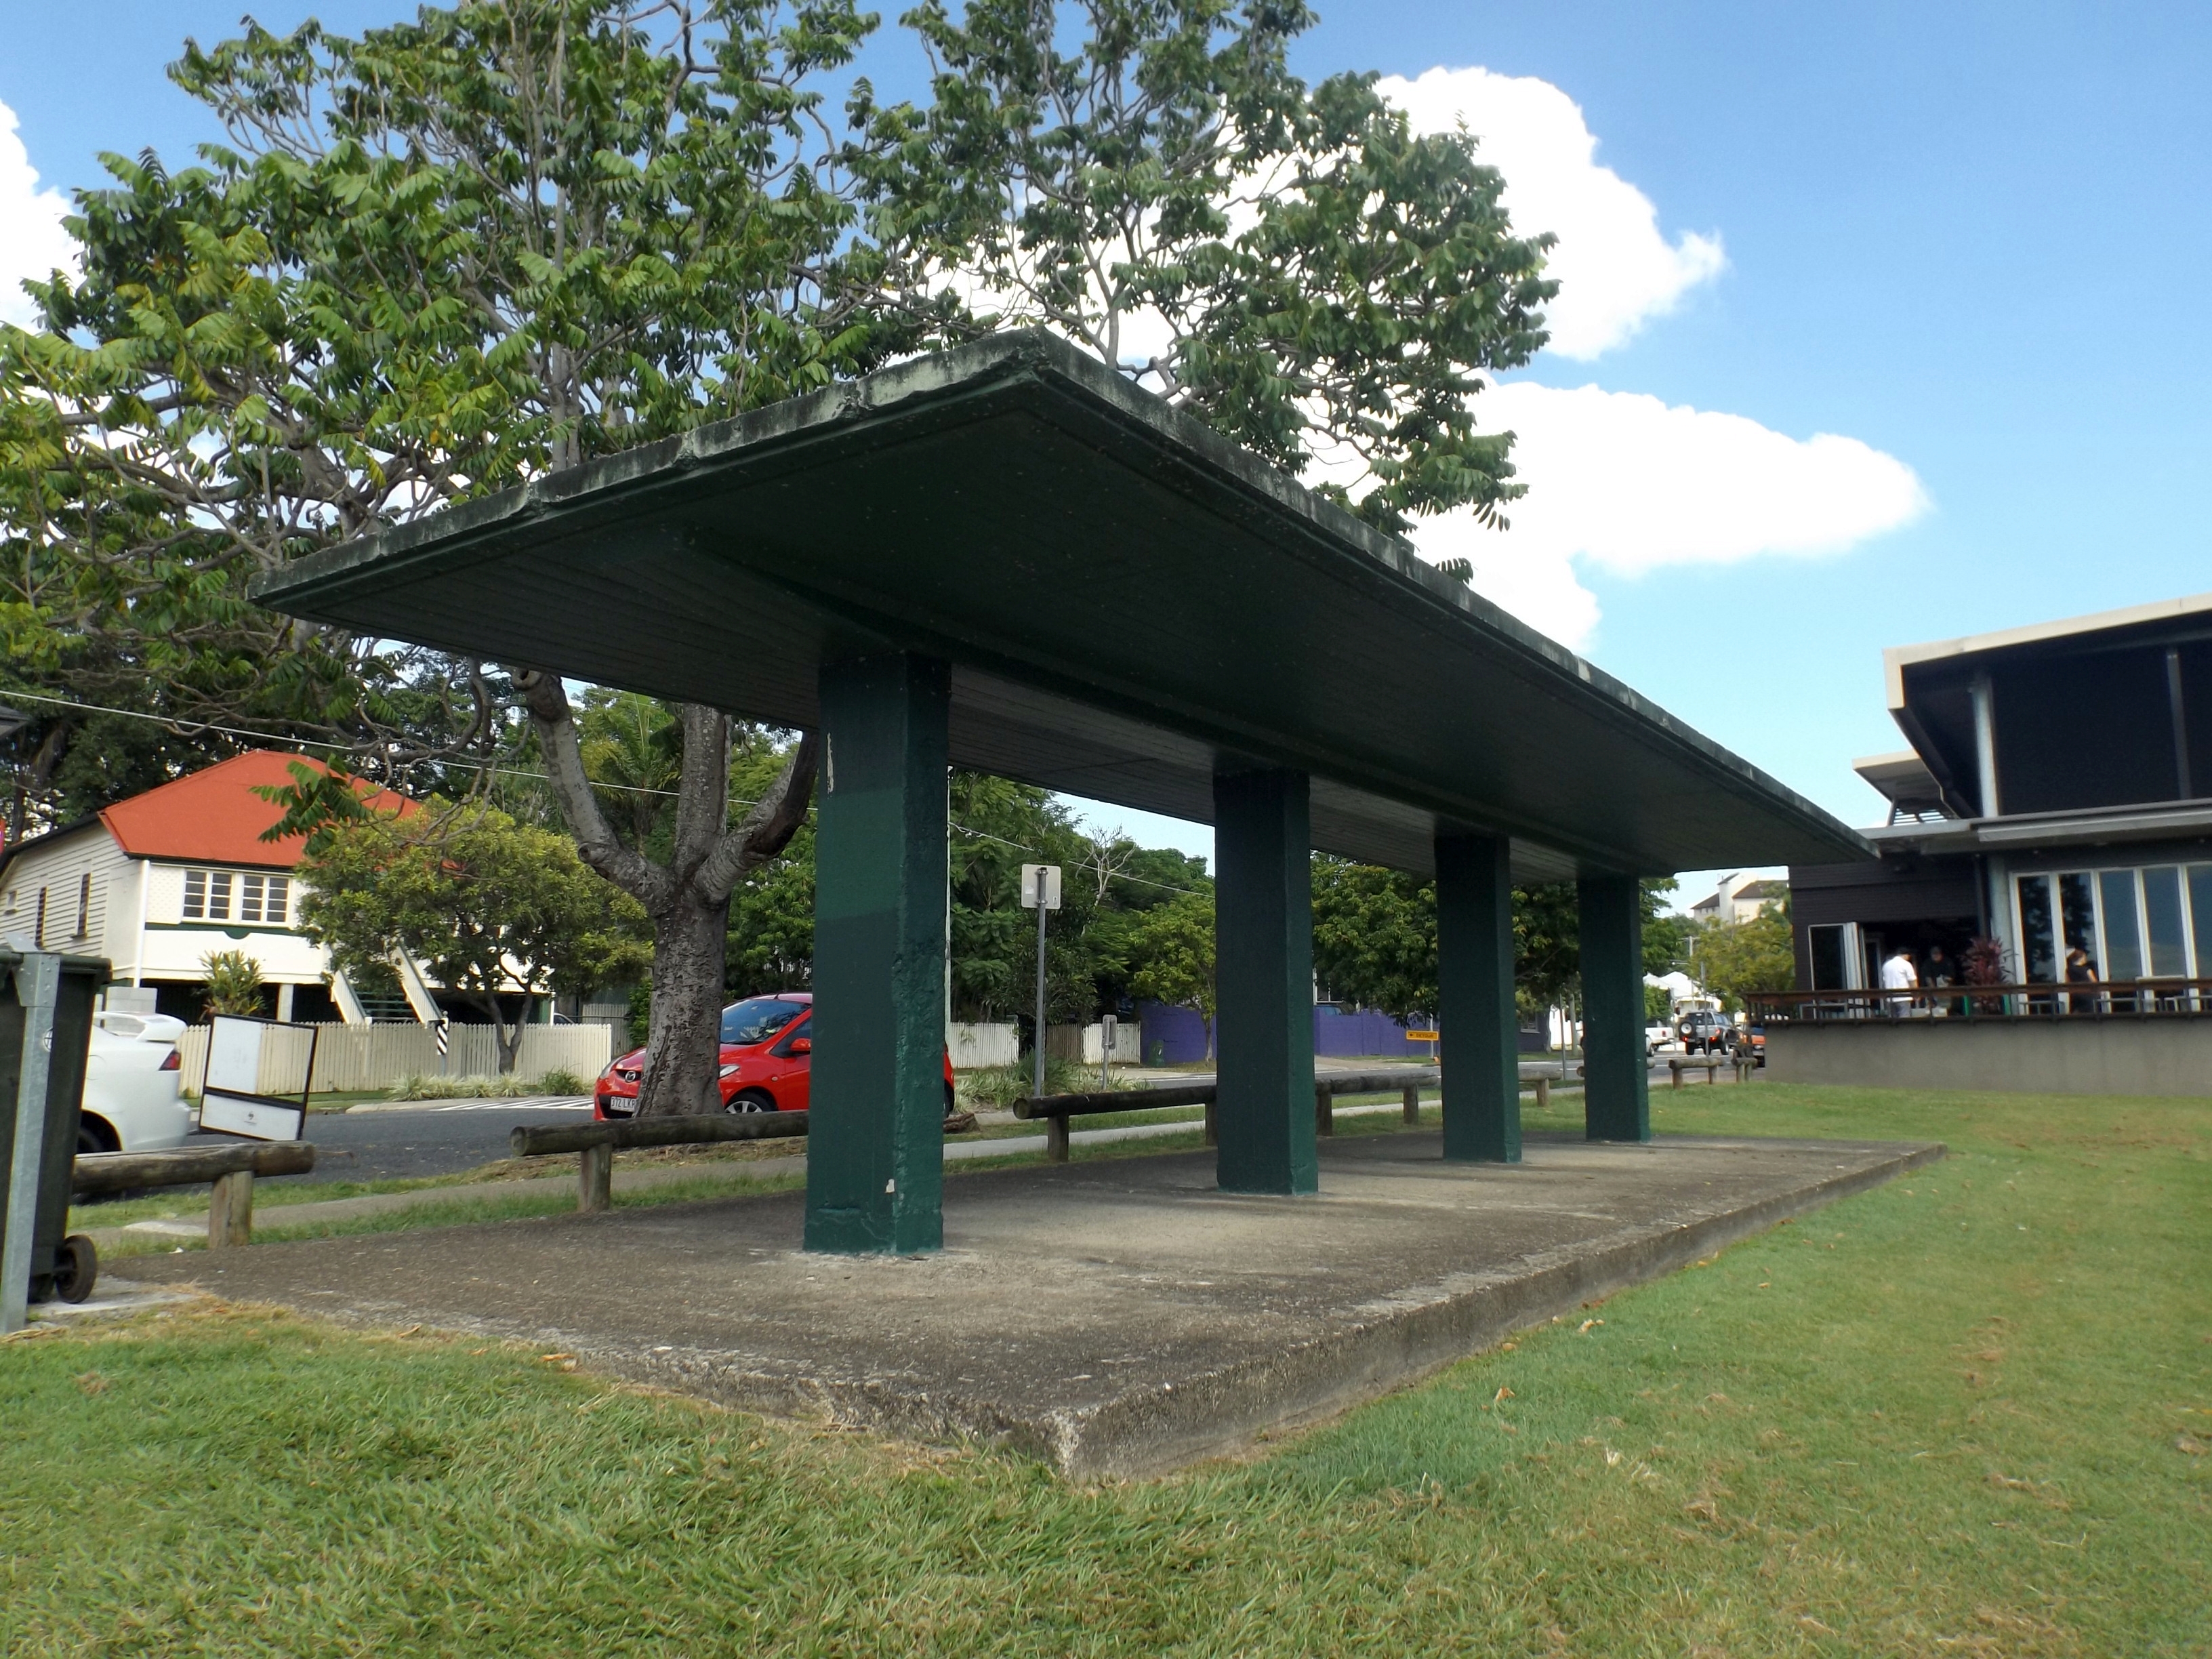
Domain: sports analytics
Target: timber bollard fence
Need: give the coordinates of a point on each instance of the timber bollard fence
(1744, 1066)
(232, 1169)
(1055, 1110)
(598, 1142)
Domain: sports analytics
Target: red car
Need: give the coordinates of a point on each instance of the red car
(767, 1048)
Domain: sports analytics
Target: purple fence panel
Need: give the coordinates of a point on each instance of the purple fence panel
(1173, 1036)
(1368, 1032)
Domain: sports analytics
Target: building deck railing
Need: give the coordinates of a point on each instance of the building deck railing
(2135, 999)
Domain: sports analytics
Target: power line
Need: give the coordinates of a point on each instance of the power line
(180, 726)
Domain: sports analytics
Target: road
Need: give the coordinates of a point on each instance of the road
(431, 1138)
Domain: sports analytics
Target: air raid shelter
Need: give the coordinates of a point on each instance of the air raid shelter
(930, 566)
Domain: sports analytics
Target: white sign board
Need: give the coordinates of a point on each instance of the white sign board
(1040, 879)
(231, 1101)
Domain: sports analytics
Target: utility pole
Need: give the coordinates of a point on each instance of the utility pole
(1039, 892)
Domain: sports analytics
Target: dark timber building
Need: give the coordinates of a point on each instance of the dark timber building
(2058, 793)
(929, 565)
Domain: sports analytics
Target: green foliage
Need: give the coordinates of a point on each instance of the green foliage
(494, 910)
(1658, 1004)
(1174, 948)
(233, 982)
(1374, 936)
(1294, 266)
(506, 1086)
(1733, 959)
(1000, 1086)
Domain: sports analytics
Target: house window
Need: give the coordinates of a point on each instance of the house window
(84, 904)
(207, 894)
(261, 899)
(39, 931)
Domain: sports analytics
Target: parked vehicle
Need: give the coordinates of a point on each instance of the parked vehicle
(1752, 1039)
(768, 1058)
(1657, 1036)
(1705, 1033)
(131, 1076)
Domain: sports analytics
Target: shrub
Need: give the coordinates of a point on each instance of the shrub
(560, 1081)
(233, 982)
(1000, 1086)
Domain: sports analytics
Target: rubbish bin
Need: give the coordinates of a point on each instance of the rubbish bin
(46, 1031)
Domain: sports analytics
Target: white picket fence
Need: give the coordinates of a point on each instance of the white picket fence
(982, 1045)
(351, 1057)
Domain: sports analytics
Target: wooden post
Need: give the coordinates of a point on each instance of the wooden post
(1212, 1133)
(1543, 1094)
(1674, 1072)
(230, 1210)
(1324, 1110)
(1055, 1138)
(595, 1177)
(1412, 1103)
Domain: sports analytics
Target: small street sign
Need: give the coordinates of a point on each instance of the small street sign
(1420, 1037)
(1039, 879)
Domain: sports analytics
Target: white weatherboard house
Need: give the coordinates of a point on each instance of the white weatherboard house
(156, 882)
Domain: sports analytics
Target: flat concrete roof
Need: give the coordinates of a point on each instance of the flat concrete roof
(1124, 597)
(1112, 1316)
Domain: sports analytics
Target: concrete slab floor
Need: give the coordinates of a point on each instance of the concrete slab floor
(1114, 1317)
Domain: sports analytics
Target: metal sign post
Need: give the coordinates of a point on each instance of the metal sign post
(1041, 893)
(1106, 1029)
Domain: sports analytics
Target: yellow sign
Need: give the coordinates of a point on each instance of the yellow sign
(1420, 1037)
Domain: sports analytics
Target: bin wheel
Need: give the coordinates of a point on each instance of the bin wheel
(76, 1266)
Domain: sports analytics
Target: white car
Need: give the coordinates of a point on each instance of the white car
(132, 1103)
(1658, 1034)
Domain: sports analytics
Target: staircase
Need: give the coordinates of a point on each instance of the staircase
(386, 1007)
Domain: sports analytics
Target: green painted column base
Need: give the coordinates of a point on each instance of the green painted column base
(1263, 951)
(875, 1145)
(1474, 999)
(1617, 1075)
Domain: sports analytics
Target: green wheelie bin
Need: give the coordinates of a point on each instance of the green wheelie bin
(47, 1005)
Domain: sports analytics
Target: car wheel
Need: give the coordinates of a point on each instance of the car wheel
(76, 1266)
(751, 1100)
(93, 1136)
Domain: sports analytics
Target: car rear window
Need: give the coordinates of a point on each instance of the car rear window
(758, 1018)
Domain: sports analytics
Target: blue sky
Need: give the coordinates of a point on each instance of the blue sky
(1971, 241)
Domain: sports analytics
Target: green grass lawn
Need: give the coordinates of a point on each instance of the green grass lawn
(1967, 1413)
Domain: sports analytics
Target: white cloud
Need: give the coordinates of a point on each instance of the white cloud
(1632, 484)
(1615, 270)
(31, 239)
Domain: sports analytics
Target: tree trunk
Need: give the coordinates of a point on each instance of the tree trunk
(683, 1046)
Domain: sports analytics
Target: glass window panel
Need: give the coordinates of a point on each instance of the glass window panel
(2122, 927)
(1826, 945)
(249, 898)
(2200, 917)
(218, 904)
(2078, 915)
(2169, 951)
(2035, 931)
(195, 894)
(280, 893)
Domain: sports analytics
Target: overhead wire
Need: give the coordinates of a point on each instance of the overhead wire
(182, 726)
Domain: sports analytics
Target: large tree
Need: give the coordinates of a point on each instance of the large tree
(434, 260)
(1293, 265)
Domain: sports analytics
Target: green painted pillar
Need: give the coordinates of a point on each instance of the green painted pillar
(1263, 953)
(1475, 1014)
(1617, 1079)
(875, 1145)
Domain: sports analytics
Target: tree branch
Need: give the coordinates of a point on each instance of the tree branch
(555, 723)
(767, 830)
